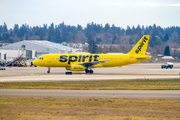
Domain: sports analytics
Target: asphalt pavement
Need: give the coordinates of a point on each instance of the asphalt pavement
(138, 94)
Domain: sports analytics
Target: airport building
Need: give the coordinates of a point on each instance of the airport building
(36, 48)
(10, 55)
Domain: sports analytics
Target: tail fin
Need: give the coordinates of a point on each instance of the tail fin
(141, 46)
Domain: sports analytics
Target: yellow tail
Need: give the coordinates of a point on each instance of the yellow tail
(141, 46)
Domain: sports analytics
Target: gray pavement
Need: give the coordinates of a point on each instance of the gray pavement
(38, 78)
(139, 94)
(134, 71)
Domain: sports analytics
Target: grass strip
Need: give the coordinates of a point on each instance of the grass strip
(41, 108)
(148, 84)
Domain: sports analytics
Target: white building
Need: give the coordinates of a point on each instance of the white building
(41, 47)
(10, 55)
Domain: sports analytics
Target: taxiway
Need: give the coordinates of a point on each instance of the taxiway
(135, 71)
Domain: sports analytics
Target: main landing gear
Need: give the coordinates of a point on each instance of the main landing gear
(89, 71)
(68, 73)
(48, 70)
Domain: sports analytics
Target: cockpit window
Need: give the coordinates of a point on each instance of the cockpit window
(41, 58)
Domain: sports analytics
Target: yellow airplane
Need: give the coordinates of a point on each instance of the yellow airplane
(85, 62)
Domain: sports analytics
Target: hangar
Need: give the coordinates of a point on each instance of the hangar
(41, 47)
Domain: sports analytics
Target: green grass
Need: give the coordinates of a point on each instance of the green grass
(159, 84)
(42, 108)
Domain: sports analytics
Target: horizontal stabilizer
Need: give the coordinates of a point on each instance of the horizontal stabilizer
(140, 58)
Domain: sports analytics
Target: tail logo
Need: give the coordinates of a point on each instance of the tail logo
(141, 44)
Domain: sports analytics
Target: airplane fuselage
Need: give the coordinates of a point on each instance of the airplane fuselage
(66, 60)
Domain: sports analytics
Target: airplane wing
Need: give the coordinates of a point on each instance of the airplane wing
(86, 64)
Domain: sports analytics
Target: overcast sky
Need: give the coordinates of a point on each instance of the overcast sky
(72, 12)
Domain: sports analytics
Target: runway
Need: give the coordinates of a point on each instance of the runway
(141, 94)
(135, 71)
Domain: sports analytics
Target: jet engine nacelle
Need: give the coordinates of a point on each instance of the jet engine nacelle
(77, 68)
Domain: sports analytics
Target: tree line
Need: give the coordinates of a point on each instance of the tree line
(95, 34)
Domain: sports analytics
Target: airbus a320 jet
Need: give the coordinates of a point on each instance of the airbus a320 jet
(86, 62)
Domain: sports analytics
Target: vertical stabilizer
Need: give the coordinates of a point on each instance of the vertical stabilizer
(141, 46)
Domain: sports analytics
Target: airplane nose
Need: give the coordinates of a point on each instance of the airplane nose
(34, 62)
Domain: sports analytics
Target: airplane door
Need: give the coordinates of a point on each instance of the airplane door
(49, 59)
(128, 59)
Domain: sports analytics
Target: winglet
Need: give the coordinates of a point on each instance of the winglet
(141, 46)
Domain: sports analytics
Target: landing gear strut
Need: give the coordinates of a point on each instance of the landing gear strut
(48, 70)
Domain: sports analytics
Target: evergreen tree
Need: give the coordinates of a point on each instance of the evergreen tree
(154, 26)
(152, 41)
(167, 51)
(5, 27)
(79, 28)
(92, 44)
(58, 37)
(128, 31)
(92, 47)
(98, 40)
(166, 37)
(107, 27)
(16, 28)
(51, 27)
(23, 30)
(90, 38)
(138, 29)
(5, 36)
(133, 30)
(113, 40)
(131, 41)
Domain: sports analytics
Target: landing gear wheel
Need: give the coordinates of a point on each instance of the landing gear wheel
(48, 70)
(86, 70)
(68, 73)
(91, 71)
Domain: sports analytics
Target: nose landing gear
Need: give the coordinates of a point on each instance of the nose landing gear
(48, 70)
